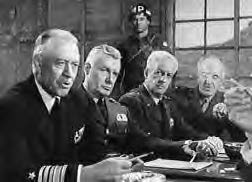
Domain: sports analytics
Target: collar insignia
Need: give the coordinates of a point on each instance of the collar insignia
(78, 135)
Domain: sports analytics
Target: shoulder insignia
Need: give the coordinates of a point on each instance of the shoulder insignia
(122, 117)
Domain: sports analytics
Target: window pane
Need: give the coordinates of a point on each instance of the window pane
(246, 32)
(220, 33)
(187, 67)
(220, 8)
(245, 62)
(189, 34)
(193, 9)
(228, 58)
(245, 8)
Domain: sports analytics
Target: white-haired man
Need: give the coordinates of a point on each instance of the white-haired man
(107, 123)
(155, 113)
(37, 136)
(202, 107)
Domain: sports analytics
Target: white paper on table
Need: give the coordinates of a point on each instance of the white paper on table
(176, 164)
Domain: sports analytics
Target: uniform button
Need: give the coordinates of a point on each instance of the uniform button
(107, 131)
(105, 142)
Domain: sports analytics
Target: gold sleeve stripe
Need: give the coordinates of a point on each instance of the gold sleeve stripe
(55, 173)
(46, 173)
(51, 174)
(60, 171)
(40, 176)
(63, 172)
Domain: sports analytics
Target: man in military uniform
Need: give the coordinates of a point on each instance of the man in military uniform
(136, 49)
(37, 133)
(156, 114)
(203, 107)
(107, 123)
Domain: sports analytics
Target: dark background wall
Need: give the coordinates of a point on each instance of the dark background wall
(92, 21)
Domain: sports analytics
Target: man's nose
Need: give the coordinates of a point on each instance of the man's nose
(208, 79)
(163, 78)
(68, 70)
(109, 78)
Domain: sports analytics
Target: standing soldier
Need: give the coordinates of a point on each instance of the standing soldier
(136, 49)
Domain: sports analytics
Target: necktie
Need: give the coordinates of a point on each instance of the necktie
(102, 107)
(57, 126)
(55, 107)
(165, 113)
(204, 105)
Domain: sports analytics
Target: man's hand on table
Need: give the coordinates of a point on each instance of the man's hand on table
(204, 148)
(110, 169)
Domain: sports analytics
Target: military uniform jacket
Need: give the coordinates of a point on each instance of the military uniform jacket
(205, 123)
(100, 136)
(134, 53)
(160, 124)
(33, 141)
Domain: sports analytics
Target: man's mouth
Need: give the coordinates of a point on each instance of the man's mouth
(207, 88)
(107, 88)
(160, 86)
(66, 85)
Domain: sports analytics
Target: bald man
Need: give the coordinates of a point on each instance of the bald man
(155, 113)
(38, 137)
(203, 108)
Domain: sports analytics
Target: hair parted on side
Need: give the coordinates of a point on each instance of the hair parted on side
(213, 59)
(161, 55)
(48, 35)
(102, 50)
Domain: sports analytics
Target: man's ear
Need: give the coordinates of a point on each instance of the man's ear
(146, 73)
(87, 67)
(37, 63)
(148, 22)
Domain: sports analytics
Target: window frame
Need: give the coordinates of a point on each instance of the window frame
(236, 20)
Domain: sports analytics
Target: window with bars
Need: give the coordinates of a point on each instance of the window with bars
(220, 27)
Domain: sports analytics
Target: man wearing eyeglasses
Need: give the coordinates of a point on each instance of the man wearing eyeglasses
(136, 49)
(156, 114)
(38, 136)
(202, 107)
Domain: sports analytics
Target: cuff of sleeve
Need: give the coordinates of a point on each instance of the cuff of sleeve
(79, 173)
(187, 142)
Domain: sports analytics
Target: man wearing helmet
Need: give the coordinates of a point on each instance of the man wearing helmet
(136, 49)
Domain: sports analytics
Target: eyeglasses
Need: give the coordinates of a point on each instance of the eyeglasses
(209, 75)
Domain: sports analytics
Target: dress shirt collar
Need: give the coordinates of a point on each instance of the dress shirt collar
(47, 98)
